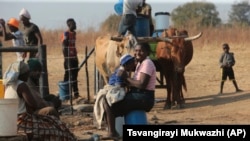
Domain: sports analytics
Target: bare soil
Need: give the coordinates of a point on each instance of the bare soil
(203, 103)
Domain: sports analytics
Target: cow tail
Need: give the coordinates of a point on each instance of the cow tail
(184, 83)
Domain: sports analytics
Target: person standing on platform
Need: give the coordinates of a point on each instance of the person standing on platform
(32, 34)
(70, 56)
(128, 20)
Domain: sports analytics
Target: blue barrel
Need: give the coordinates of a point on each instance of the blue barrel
(118, 7)
(136, 117)
(142, 27)
(64, 93)
(161, 21)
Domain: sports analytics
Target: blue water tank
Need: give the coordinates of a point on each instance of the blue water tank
(118, 7)
(161, 21)
(142, 27)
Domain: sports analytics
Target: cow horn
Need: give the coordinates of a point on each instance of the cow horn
(153, 39)
(193, 37)
(119, 39)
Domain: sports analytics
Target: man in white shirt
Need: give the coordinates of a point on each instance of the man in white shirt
(128, 20)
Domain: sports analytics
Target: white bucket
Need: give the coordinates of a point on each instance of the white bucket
(8, 117)
(119, 122)
(161, 21)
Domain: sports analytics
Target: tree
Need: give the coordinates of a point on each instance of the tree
(111, 24)
(240, 14)
(196, 14)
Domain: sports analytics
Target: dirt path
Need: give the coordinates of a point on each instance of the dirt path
(203, 104)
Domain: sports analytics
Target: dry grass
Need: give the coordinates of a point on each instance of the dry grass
(211, 41)
(202, 77)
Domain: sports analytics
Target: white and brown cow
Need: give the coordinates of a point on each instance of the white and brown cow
(108, 51)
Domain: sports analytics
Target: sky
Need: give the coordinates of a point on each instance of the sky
(150, 1)
(53, 13)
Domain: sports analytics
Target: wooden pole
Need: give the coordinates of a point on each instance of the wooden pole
(44, 83)
(1, 63)
(87, 74)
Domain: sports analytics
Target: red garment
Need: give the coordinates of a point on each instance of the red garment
(68, 40)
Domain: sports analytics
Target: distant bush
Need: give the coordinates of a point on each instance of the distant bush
(111, 24)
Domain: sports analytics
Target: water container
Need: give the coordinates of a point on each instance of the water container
(161, 21)
(142, 27)
(1, 89)
(64, 93)
(8, 117)
(157, 33)
(136, 117)
(118, 7)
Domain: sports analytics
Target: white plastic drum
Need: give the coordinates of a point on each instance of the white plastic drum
(161, 21)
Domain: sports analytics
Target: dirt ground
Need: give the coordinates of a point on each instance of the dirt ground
(203, 104)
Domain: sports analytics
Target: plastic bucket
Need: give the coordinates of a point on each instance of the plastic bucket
(118, 7)
(1, 89)
(161, 20)
(8, 117)
(136, 117)
(142, 27)
(64, 93)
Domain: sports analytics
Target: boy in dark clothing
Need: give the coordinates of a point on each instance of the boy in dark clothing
(227, 62)
(70, 56)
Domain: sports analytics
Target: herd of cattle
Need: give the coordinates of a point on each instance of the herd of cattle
(174, 50)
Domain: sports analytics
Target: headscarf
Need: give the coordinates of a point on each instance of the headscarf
(34, 64)
(13, 71)
(25, 13)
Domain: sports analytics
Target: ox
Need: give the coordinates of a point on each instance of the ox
(173, 55)
(108, 50)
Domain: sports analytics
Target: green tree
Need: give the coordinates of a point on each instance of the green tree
(240, 14)
(196, 14)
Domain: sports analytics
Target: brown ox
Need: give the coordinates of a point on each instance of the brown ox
(173, 56)
(108, 52)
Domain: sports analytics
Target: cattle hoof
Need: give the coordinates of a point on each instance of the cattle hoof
(167, 106)
(180, 106)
